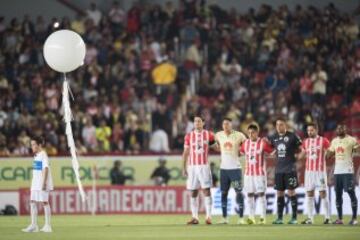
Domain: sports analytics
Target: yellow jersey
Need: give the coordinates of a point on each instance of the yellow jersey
(229, 148)
(343, 148)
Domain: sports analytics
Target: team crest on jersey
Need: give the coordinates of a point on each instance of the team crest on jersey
(286, 139)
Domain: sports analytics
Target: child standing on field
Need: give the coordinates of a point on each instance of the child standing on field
(41, 186)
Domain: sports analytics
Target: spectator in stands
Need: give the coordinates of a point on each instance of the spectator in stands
(21, 149)
(117, 18)
(89, 135)
(51, 150)
(161, 175)
(306, 88)
(103, 133)
(319, 79)
(282, 61)
(159, 141)
(133, 139)
(94, 14)
(4, 151)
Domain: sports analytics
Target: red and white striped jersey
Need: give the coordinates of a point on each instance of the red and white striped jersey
(198, 142)
(254, 156)
(315, 153)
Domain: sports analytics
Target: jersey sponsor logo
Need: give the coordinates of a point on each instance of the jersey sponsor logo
(313, 155)
(281, 149)
(228, 146)
(340, 150)
(37, 165)
(252, 159)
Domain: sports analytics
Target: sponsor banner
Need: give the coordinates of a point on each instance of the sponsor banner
(9, 198)
(271, 207)
(16, 173)
(159, 200)
(116, 200)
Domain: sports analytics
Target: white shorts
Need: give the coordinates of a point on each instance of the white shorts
(255, 184)
(39, 196)
(315, 180)
(199, 177)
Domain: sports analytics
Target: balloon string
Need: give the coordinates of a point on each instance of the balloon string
(69, 89)
(69, 136)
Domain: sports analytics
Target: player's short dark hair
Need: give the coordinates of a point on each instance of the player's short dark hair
(227, 119)
(198, 116)
(312, 124)
(343, 124)
(39, 140)
(253, 127)
(281, 119)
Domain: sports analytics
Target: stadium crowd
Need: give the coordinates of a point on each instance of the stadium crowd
(303, 63)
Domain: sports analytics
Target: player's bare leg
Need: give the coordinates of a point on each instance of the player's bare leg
(33, 227)
(262, 201)
(280, 207)
(194, 205)
(251, 204)
(310, 208)
(47, 213)
(325, 202)
(208, 205)
(293, 200)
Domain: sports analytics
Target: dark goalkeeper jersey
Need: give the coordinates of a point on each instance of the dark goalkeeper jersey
(286, 146)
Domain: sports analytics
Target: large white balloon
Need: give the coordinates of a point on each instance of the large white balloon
(64, 51)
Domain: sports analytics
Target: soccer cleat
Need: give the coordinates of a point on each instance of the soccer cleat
(292, 221)
(208, 221)
(353, 222)
(278, 221)
(262, 221)
(46, 229)
(193, 221)
(327, 221)
(224, 220)
(250, 221)
(241, 221)
(338, 222)
(31, 228)
(307, 221)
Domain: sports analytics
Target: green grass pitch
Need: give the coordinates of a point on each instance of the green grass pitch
(169, 227)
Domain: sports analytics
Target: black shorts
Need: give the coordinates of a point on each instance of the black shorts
(344, 182)
(228, 176)
(286, 181)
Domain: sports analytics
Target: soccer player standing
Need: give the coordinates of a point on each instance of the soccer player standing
(287, 145)
(196, 167)
(314, 150)
(255, 182)
(342, 147)
(229, 142)
(41, 186)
